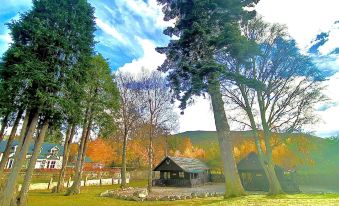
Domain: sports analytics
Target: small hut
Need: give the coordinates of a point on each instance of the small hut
(254, 178)
(181, 172)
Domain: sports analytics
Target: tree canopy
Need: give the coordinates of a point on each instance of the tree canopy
(204, 28)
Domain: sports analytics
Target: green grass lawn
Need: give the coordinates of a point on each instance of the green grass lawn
(90, 197)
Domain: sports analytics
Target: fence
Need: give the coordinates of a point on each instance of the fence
(138, 174)
(85, 182)
(43, 179)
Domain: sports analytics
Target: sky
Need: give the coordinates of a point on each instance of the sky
(129, 30)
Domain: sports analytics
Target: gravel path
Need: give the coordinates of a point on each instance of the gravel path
(210, 188)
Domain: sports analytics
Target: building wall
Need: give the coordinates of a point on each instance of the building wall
(43, 164)
(39, 164)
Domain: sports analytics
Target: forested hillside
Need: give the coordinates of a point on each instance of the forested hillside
(311, 155)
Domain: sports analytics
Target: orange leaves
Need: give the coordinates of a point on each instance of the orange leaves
(288, 151)
(243, 149)
(73, 150)
(184, 148)
(100, 151)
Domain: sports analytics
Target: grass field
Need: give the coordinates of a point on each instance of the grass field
(90, 197)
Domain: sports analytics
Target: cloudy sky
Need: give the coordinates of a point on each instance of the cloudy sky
(129, 30)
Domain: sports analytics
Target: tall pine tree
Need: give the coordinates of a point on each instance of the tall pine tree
(204, 28)
(52, 46)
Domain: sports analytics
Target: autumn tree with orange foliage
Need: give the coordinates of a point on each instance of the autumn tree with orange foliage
(183, 147)
(100, 151)
(288, 151)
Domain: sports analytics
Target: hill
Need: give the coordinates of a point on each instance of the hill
(203, 138)
(324, 153)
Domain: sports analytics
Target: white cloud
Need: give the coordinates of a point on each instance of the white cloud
(150, 60)
(110, 30)
(332, 43)
(198, 116)
(329, 117)
(5, 38)
(304, 18)
(149, 9)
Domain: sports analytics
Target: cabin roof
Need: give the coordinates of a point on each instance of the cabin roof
(190, 165)
(251, 163)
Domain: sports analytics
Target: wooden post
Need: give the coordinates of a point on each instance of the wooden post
(85, 181)
(99, 175)
(50, 183)
(69, 181)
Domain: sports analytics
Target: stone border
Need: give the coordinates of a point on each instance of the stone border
(135, 196)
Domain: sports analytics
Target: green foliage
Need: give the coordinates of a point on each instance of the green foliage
(335, 138)
(54, 135)
(102, 96)
(46, 63)
(205, 28)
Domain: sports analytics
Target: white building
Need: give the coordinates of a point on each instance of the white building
(50, 156)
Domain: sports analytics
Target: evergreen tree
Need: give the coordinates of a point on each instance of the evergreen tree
(101, 104)
(205, 28)
(45, 64)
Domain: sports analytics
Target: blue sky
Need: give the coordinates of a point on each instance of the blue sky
(123, 27)
(129, 30)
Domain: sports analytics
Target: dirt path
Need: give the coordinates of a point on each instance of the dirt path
(219, 188)
(210, 188)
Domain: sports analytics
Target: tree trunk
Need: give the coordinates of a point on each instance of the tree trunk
(83, 155)
(22, 198)
(150, 147)
(8, 193)
(23, 132)
(3, 127)
(274, 184)
(123, 166)
(75, 188)
(68, 141)
(232, 180)
(150, 160)
(273, 181)
(10, 141)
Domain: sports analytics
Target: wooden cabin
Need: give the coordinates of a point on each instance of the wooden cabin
(181, 172)
(254, 178)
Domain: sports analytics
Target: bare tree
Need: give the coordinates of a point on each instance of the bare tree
(129, 114)
(282, 98)
(158, 110)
